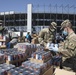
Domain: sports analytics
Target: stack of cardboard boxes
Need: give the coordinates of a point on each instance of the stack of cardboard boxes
(2, 42)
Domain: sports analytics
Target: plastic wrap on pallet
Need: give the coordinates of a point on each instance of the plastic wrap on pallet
(22, 71)
(5, 67)
(13, 56)
(27, 48)
(37, 67)
(41, 55)
(24, 46)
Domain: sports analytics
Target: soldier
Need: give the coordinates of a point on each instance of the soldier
(47, 34)
(69, 48)
(2, 28)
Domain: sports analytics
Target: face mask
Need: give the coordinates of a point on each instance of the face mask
(65, 33)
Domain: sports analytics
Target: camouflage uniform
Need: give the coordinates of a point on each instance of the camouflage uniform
(69, 48)
(1, 28)
(47, 34)
(70, 44)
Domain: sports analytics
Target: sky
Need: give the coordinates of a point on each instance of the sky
(21, 5)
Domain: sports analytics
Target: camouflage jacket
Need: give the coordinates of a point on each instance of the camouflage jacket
(1, 28)
(45, 36)
(70, 45)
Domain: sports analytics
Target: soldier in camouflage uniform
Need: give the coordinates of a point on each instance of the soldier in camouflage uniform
(69, 48)
(1, 27)
(47, 34)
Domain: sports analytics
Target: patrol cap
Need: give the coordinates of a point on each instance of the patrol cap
(65, 23)
(54, 25)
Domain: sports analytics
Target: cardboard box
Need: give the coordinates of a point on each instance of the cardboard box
(2, 40)
(38, 61)
(2, 46)
(49, 71)
(63, 72)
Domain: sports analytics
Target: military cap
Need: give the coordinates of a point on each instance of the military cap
(54, 25)
(65, 23)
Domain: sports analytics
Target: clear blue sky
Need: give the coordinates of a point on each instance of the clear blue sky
(20, 5)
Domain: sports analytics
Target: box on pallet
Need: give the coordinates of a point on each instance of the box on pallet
(27, 48)
(37, 67)
(40, 56)
(32, 68)
(13, 56)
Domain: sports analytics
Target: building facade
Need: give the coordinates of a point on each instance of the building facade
(40, 19)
